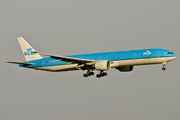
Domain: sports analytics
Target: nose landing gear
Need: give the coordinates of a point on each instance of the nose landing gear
(164, 64)
(163, 68)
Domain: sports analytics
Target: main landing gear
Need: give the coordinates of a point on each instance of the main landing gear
(101, 74)
(88, 74)
(164, 64)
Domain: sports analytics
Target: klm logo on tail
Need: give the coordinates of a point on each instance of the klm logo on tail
(29, 52)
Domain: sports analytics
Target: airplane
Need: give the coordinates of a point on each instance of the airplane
(124, 61)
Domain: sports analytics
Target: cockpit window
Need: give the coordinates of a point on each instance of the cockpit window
(170, 53)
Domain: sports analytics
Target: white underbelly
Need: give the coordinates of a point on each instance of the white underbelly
(58, 68)
(139, 62)
(132, 62)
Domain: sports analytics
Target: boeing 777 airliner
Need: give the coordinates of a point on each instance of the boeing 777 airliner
(123, 61)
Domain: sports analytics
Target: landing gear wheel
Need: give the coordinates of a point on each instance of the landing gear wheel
(88, 74)
(85, 75)
(101, 74)
(105, 74)
(163, 68)
(92, 73)
(98, 75)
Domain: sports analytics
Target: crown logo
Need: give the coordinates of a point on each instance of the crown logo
(29, 49)
(147, 53)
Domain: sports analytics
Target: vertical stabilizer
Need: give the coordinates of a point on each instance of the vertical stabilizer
(27, 50)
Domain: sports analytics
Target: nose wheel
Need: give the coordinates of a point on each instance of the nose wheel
(164, 64)
(101, 74)
(163, 68)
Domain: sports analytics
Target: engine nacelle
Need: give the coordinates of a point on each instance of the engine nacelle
(125, 68)
(102, 65)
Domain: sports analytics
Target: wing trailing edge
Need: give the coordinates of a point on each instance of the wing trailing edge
(69, 59)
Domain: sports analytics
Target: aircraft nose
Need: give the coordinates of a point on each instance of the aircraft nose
(173, 57)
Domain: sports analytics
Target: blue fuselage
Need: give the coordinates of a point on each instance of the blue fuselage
(110, 56)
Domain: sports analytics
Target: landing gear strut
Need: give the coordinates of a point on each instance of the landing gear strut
(164, 64)
(101, 74)
(88, 74)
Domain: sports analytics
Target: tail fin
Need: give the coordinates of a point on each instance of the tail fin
(27, 50)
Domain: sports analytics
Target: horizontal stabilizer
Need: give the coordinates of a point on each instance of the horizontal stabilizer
(21, 63)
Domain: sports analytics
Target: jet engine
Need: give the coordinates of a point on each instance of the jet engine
(102, 65)
(125, 68)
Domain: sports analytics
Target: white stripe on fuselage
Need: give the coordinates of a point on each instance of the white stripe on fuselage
(132, 62)
(147, 61)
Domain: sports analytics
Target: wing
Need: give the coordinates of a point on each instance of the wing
(70, 59)
(21, 63)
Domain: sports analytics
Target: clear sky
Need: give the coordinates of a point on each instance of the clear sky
(65, 27)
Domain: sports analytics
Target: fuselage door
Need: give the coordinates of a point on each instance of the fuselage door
(158, 54)
(134, 55)
(100, 58)
(43, 63)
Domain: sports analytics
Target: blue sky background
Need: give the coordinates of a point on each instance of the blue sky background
(66, 27)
